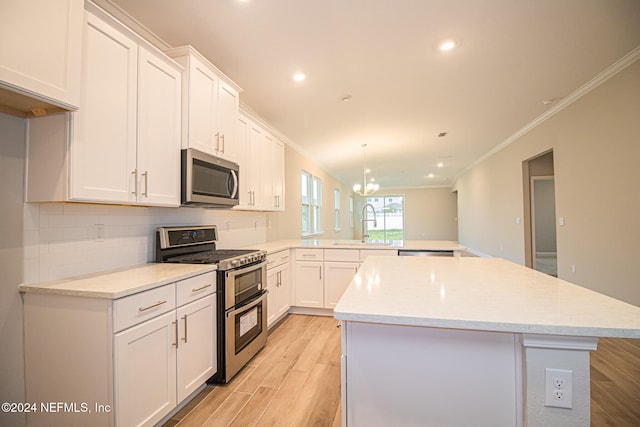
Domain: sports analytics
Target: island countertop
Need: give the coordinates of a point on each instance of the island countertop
(489, 294)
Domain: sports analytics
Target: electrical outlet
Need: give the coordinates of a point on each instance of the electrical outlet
(559, 388)
(98, 232)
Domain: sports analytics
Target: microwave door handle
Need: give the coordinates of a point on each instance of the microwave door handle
(234, 191)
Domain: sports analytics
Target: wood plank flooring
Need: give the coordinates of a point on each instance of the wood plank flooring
(295, 381)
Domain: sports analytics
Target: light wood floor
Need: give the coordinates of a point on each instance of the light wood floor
(295, 381)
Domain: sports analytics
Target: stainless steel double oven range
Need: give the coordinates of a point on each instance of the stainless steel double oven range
(241, 302)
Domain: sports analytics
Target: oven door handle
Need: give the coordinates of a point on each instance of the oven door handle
(253, 303)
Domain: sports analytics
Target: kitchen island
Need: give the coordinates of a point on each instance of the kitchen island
(470, 341)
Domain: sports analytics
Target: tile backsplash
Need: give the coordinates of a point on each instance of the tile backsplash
(70, 239)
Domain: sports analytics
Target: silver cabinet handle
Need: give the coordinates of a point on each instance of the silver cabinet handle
(222, 139)
(185, 329)
(201, 288)
(151, 306)
(145, 174)
(135, 182)
(176, 330)
(217, 135)
(320, 270)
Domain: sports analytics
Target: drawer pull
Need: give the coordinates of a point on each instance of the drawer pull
(151, 306)
(201, 288)
(309, 255)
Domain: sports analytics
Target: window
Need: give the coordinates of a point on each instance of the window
(336, 209)
(311, 199)
(390, 218)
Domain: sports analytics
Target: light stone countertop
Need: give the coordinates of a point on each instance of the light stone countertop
(489, 294)
(436, 245)
(119, 283)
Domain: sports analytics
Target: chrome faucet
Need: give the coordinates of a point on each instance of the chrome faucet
(364, 220)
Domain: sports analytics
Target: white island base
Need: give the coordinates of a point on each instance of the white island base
(419, 376)
(470, 342)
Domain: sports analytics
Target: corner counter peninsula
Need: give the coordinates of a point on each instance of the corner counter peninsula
(470, 341)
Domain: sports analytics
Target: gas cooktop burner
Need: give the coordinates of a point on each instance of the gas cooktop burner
(197, 245)
(210, 257)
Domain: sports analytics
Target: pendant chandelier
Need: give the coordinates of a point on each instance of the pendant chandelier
(367, 188)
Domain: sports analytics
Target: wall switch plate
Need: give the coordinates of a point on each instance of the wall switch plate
(559, 388)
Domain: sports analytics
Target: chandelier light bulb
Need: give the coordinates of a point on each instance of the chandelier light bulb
(366, 188)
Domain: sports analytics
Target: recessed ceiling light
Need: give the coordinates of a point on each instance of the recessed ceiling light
(440, 164)
(431, 175)
(299, 77)
(346, 98)
(447, 45)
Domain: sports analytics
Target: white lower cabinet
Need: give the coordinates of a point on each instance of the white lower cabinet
(279, 286)
(197, 359)
(136, 357)
(337, 276)
(145, 371)
(322, 275)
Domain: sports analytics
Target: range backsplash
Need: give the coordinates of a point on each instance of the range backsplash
(70, 239)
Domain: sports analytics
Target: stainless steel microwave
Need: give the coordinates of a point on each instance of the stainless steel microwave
(208, 180)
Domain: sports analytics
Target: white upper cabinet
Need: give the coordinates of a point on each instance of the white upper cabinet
(210, 105)
(103, 145)
(41, 50)
(277, 153)
(261, 159)
(123, 145)
(159, 100)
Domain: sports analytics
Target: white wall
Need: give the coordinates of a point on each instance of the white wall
(12, 152)
(596, 147)
(60, 238)
(429, 213)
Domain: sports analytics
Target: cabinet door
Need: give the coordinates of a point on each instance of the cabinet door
(41, 49)
(256, 165)
(243, 149)
(309, 284)
(228, 105)
(158, 147)
(103, 144)
(197, 345)
(145, 371)
(266, 177)
(203, 87)
(338, 275)
(273, 276)
(277, 151)
(283, 295)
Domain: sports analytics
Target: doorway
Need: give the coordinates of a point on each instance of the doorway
(540, 214)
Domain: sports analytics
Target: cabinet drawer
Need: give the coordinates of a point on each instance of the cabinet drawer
(351, 255)
(277, 258)
(195, 287)
(143, 306)
(309, 254)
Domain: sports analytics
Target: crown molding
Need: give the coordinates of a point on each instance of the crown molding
(605, 75)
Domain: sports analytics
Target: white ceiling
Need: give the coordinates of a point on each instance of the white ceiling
(510, 56)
